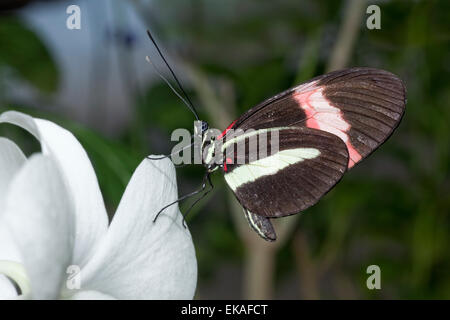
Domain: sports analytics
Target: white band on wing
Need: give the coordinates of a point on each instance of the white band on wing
(268, 166)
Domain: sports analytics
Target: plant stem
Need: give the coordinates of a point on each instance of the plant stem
(259, 271)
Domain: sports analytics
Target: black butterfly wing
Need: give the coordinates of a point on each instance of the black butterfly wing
(306, 165)
(261, 225)
(362, 106)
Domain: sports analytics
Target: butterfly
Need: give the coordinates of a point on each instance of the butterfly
(324, 127)
(283, 155)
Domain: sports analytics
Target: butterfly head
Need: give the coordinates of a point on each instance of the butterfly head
(204, 127)
(209, 152)
(200, 128)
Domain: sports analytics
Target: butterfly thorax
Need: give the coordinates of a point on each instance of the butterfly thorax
(210, 148)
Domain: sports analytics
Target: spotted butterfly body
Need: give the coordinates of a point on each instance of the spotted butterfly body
(322, 128)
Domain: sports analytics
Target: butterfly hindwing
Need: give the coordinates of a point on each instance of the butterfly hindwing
(306, 165)
(261, 225)
(362, 106)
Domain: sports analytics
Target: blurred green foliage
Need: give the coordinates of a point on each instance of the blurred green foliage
(393, 210)
(26, 55)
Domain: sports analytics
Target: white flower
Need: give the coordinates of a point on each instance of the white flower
(53, 221)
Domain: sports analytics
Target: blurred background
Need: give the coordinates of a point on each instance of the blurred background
(393, 210)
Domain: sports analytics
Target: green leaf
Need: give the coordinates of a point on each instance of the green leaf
(26, 54)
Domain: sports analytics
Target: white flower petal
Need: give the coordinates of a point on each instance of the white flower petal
(11, 160)
(17, 273)
(8, 247)
(90, 295)
(91, 219)
(139, 259)
(38, 213)
(7, 290)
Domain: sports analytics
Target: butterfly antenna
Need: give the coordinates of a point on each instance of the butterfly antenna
(170, 86)
(189, 102)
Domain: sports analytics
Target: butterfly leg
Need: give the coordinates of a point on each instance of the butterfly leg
(196, 201)
(261, 225)
(203, 186)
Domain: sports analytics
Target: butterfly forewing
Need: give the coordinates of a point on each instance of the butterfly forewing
(362, 106)
(306, 164)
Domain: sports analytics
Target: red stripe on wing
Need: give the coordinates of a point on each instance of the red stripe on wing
(220, 136)
(322, 115)
(227, 161)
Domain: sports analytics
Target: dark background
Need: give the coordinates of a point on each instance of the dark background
(393, 210)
